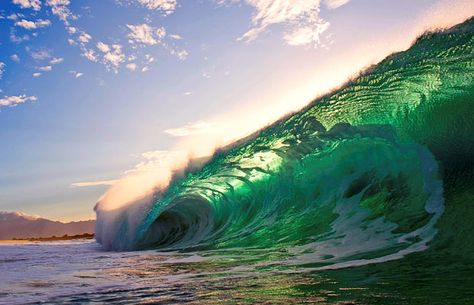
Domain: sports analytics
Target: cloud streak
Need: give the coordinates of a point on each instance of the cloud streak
(200, 127)
(93, 183)
(32, 25)
(14, 100)
(333, 4)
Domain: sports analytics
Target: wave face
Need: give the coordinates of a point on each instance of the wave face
(368, 173)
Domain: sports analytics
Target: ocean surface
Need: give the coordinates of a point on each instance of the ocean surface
(366, 196)
(81, 272)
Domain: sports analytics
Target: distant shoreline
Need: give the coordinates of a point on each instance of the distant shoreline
(46, 239)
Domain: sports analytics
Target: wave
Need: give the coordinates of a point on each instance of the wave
(356, 177)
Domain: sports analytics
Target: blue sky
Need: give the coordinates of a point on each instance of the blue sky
(91, 90)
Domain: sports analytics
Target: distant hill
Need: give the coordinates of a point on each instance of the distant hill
(19, 225)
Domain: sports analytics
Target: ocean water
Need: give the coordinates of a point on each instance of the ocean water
(365, 196)
(81, 272)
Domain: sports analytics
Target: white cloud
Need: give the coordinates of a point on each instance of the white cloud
(93, 183)
(37, 74)
(146, 34)
(14, 16)
(153, 160)
(114, 57)
(301, 17)
(175, 37)
(131, 66)
(332, 4)
(71, 30)
(2, 69)
(18, 39)
(144, 69)
(188, 93)
(89, 54)
(306, 35)
(76, 74)
(31, 25)
(84, 37)
(166, 6)
(40, 54)
(103, 47)
(45, 68)
(182, 54)
(60, 8)
(15, 58)
(14, 100)
(149, 58)
(200, 127)
(56, 60)
(34, 4)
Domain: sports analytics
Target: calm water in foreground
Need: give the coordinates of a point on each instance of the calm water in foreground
(81, 272)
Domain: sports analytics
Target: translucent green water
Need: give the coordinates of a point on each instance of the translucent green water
(376, 176)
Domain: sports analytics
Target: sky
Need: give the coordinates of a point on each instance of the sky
(91, 91)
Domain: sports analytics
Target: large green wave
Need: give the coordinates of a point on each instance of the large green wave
(361, 175)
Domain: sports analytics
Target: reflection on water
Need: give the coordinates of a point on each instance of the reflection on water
(81, 272)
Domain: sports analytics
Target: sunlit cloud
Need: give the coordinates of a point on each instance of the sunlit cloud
(31, 25)
(332, 4)
(89, 54)
(60, 8)
(200, 127)
(175, 37)
(36, 74)
(104, 48)
(71, 30)
(84, 37)
(145, 34)
(33, 4)
(131, 66)
(112, 55)
(301, 18)
(56, 60)
(181, 54)
(166, 6)
(14, 100)
(93, 183)
(306, 35)
(152, 160)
